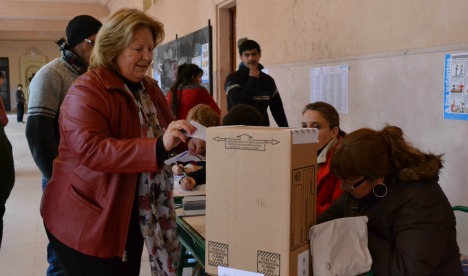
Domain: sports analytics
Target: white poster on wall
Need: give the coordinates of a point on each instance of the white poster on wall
(205, 62)
(455, 90)
(330, 85)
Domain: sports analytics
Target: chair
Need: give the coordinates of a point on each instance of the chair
(461, 215)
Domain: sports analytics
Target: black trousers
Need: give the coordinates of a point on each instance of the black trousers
(78, 264)
(19, 112)
(7, 174)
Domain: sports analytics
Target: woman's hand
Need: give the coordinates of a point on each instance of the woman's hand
(174, 134)
(197, 146)
(177, 169)
(187, 183)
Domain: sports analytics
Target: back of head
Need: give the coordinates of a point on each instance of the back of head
(117, 33)
(243, 114)
(81, 27)
(249, 45)
(374, 154)
(2, 76)
(204, 115)
(328, 112)
(186, 73)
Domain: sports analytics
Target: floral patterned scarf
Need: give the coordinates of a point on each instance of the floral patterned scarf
(156, 200)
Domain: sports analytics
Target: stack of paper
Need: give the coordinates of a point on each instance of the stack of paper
(194, 205)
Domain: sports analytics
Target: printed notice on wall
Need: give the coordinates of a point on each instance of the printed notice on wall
(455, 91)
(205, 62)
(330, 85)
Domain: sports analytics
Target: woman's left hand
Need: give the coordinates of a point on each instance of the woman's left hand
(197, 146)
(174, 135)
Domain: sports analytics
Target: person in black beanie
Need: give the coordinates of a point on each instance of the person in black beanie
(47, 91)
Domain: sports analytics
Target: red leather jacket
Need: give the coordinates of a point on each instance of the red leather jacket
(87, 203)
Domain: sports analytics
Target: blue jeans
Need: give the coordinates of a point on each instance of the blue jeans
(55, 267)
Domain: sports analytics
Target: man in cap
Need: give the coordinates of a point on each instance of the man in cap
(47, 91)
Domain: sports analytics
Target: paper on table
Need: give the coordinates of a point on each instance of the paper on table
(198, 190)
(183, 157)
(226, 271)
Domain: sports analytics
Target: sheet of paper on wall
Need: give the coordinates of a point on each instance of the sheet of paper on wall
(226, 271)
(183, 158)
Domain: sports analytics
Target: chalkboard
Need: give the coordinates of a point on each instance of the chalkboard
(193, 48)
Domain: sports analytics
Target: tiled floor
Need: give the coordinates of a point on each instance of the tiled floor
(23, 251)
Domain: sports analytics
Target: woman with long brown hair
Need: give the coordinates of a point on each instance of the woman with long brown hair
(187, 92)
(411, 226)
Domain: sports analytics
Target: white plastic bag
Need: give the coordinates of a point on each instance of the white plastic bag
(339, 247)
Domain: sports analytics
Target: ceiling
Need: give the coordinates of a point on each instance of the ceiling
(44, 19)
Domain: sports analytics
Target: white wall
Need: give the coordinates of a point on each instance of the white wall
(400, 89)
(395, 50)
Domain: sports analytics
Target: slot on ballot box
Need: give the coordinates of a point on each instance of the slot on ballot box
(261, 199)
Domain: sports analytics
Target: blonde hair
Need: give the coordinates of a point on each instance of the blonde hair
(117, 33)
(204, 115)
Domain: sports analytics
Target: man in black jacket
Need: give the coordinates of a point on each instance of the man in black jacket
(249, 85)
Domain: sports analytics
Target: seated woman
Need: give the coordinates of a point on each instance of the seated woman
(325, 118)
(195, 173)
(187, 92)
(411, 226)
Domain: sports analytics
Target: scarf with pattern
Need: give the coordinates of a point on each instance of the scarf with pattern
(156, 200)
(71, 58)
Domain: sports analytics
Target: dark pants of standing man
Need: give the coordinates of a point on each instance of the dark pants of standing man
(19, 112)
(7, 174)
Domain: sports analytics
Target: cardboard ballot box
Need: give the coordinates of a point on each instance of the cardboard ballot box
(260, 199)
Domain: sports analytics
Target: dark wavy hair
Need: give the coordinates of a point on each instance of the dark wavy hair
(243, 114)
(374, 154)
(249, 45)
(186, 73)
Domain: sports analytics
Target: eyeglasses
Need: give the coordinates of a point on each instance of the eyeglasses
(91, 42)
(353, 187)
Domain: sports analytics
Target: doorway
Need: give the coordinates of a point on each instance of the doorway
(226, 48)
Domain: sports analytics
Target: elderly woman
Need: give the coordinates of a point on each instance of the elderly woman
(109, 190)
(411, 226)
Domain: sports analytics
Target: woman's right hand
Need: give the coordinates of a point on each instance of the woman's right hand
(174, 134)
(177, 169)
(187, 183)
